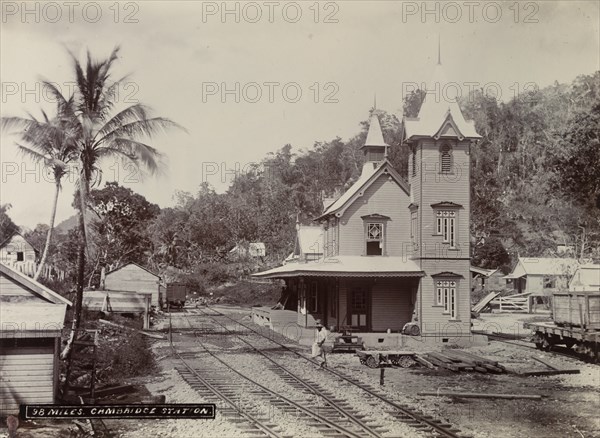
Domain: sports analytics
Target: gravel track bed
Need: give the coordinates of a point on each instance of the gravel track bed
(356, 398)
(253, 367)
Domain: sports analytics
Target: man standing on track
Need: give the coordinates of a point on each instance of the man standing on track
(317, 348)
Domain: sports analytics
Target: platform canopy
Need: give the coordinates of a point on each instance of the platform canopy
(347, 266)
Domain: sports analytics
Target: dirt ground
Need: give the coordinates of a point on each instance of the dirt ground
(569, 407)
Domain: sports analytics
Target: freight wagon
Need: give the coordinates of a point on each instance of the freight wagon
(575, 323)
(176, 294)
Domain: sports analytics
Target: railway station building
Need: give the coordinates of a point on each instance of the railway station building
(396, 251)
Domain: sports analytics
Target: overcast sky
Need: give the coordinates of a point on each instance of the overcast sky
(247, 80)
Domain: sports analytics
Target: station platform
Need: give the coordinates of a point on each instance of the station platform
(285, 323)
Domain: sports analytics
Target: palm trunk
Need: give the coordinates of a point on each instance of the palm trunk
(77, 308)
(49, 235)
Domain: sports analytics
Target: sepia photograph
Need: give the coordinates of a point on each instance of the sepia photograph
(300, 219)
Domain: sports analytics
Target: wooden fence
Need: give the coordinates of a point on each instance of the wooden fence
(514, 303)
(29, 268)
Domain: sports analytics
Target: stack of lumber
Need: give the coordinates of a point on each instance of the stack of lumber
(459, 360)
(484, 302)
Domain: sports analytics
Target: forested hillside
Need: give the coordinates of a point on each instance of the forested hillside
(535, 185)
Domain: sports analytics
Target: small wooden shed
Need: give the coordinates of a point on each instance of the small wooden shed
(134, 278)
(32, 319)
(19, 254)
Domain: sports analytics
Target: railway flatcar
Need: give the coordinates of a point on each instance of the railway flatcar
(575, 324)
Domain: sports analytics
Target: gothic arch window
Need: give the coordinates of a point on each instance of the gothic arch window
(446, 159)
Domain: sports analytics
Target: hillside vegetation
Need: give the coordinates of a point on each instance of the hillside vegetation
(535, 186)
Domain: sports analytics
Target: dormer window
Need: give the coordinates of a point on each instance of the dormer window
(446, 159)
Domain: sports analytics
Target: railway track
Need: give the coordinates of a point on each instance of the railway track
(328, 419)
(332, 406)
(521, 342)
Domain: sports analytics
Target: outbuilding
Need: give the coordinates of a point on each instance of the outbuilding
(134, 278)
(32, 318)
(19, 254)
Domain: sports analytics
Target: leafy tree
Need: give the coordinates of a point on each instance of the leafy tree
(491, 254)
(102, 134)
(49, 141)
(120, 230)
(7, 226)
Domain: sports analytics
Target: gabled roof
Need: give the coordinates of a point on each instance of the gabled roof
(586, 277)
(34, 286)
(16, 233)
(439, 116)
(543, 266)
(483, 271)
(135, 264)
(369, 176)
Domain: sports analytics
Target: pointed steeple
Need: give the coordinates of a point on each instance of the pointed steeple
(439, 108)
(374, 135)
(375, 148)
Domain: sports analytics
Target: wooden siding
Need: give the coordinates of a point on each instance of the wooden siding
(434, 187)
(135, 279)
(391, 306)
(432, 319)
(8, 253)
(535, 284)
(385, 197)
(26, 378)
(9, 287)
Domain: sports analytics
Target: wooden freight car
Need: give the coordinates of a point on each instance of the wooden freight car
(176, 294)
(575, 323)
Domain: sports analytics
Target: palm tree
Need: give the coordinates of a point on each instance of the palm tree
(49, 141)
(100, 135)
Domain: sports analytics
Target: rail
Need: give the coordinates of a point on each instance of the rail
(441, 429)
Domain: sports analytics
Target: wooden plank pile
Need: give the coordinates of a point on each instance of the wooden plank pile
(459, 360)
(484, 302)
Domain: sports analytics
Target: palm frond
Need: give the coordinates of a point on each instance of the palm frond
(33, 154)
(133, 113)
(145, 128)
(137, 152)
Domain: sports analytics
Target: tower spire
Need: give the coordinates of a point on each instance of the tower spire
(439, 50)
(374, 101)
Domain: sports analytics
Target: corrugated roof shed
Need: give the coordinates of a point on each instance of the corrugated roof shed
(586, 278)
(543, 266)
